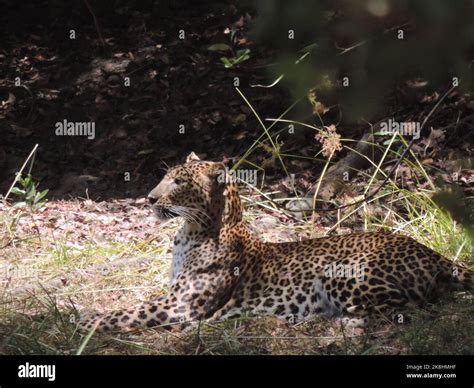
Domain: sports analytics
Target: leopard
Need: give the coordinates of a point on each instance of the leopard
(221, 269)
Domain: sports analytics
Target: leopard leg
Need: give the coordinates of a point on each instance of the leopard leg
(199, 299)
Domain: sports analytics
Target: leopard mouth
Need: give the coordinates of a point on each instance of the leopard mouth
(164, 213)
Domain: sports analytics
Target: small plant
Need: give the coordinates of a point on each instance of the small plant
(238, 56)
(27, 192)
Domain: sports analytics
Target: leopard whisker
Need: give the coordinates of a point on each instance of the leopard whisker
(186, 213)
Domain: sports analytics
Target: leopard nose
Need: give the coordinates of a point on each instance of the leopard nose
(152, 199)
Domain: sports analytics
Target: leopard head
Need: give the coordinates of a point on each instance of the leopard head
(193, 190)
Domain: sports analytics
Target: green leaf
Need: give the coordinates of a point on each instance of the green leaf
(219, 47)
(31, 193)
(242, 56)
(17, 191)
(226, 62)
(27, 180)
(243, 52)
(41, 195)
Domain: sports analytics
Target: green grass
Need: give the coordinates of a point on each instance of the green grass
(446, 327)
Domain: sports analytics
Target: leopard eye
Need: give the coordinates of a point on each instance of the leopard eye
(178, 181)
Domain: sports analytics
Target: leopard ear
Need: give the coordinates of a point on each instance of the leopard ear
(192, 157)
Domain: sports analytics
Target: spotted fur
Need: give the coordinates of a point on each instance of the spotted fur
(220, 268)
